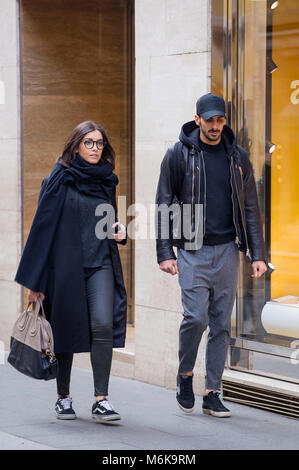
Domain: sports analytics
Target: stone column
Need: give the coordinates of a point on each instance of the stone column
(10, 168)
(173, 55)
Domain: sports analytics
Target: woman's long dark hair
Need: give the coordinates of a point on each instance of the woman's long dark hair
(72, 144)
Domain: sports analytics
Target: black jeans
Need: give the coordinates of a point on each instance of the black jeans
(100, 297)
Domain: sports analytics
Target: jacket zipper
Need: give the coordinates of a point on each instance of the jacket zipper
(192, 195)
(193, 185)
(237, 238)
(205, 193)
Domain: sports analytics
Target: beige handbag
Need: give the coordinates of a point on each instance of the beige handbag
(32, 344)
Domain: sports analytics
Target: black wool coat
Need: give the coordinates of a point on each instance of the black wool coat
(63, 284)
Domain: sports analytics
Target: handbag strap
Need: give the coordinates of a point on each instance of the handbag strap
(24, 317)
(39, 310)
(38, 306)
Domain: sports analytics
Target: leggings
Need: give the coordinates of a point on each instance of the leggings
(100, 297)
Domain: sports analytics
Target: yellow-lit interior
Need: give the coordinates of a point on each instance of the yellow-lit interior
(285, 158)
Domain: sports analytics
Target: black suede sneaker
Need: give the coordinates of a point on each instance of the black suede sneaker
(64, 409)
(102, 411)
(212, 405)
(185, 395)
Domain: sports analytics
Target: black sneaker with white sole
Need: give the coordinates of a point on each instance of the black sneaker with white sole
(185, 395)
(102, 411)
(64, 409)
(212, 405)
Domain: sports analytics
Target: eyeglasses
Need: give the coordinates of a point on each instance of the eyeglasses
(89, 143)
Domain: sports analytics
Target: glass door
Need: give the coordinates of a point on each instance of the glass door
(77, 64)
(257, 41)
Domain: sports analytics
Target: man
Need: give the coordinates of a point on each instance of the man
(206, 169)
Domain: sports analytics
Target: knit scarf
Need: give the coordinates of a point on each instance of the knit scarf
(93, 179)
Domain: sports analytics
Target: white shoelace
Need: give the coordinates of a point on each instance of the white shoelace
(106, 404)
(66, 403)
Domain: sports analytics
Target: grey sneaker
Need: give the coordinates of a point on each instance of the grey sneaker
(64, 409)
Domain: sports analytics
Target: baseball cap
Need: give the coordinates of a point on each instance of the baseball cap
(210, 105)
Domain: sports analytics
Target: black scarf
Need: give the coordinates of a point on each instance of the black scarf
(93, 179)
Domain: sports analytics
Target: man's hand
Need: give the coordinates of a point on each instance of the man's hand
(258, 268)
(169, 266)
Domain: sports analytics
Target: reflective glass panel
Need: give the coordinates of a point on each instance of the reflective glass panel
(268, 308)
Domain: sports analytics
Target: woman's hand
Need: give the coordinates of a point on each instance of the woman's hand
(121, 233)
(32, 296)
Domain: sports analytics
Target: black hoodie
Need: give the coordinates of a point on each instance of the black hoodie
(219, 226)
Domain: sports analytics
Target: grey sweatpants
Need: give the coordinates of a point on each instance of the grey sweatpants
(208, 281)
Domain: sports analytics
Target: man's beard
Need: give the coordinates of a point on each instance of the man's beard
(209, 137)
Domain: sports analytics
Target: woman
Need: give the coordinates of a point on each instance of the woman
(71, 261)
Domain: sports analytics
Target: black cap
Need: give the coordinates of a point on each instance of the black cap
(210, 105)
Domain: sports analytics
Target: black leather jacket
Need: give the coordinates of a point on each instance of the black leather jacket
(183, 171)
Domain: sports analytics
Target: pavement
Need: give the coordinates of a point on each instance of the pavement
(150, 420)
